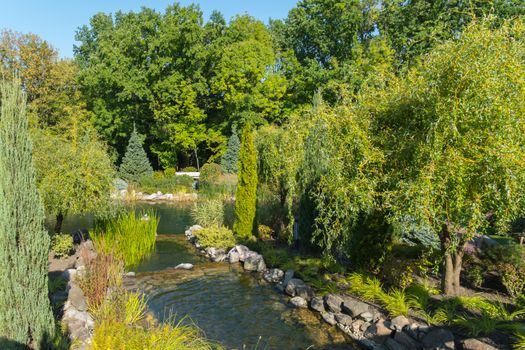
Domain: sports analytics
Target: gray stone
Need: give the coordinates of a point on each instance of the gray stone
(305, 292)
(353, 307)
(371, 345)
(367, 316)
(69, 274)
(475, 344)
(365, 326)
(254, 262)
(406, 340)
(292, 285)
(299, 302)
(184, 266)
(398, 323)
(439, 339)
(333, 302)
(273, 275)
(216, 255)
(243, 251)
(329, 318)
(233, 256)
(343, 319)
(77, 298)
(379, 331)
(391, 344)
(130, 274)
(356, 326)
(288, 275)
(317, 304)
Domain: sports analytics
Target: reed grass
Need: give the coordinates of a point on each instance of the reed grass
(129, 237)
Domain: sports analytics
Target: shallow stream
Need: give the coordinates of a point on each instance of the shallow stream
(229, 305)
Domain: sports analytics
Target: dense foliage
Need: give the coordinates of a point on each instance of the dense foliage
(24, 243)
(246, 195)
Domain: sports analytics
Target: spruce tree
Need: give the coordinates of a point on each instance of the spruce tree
(246, 195)
(25, 312)
(231, 157)
(135, 163)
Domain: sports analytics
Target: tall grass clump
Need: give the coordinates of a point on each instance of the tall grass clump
(129, 236)
(208, 212)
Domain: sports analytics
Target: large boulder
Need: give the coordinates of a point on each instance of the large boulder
(254, 262)
(391, 344)
(288, 275)
(305, 292)
(273, 275)
(329, 318)
(76, 298)
(353, 307)
(406, 340)
(475, 344)
(398, 323)
(317, 304)
(379, 331)
(439, 339)
(233, 256)
(299, 302)
(243, 251)
(292, 286)
(216, 255)
(343, 319)
(333, 302)
(184, 266)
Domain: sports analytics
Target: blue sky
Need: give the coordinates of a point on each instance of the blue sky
(57, 20)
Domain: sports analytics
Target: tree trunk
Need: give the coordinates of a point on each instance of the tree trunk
(197, 159)
(452, 262)
(58, 225)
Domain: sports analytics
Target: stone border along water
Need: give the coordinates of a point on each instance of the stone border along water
(363, 322)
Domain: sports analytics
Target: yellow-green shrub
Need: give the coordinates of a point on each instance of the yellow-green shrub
(217, 237)
(62, 245)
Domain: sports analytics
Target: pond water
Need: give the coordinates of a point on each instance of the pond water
(229, 305)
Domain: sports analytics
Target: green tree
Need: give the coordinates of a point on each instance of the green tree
(246, 195)
(135, 163)
(231, 157)
(74, 172)
(26, 316)
(452, 129)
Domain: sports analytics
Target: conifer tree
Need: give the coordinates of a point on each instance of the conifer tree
(246, 195)
(25, 316)
(135, 163)
(231, 157)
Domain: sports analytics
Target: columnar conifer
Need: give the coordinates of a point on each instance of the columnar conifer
(246, 195)
(25, 312)
(135, 163)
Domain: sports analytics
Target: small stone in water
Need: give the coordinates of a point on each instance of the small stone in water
(185, 266)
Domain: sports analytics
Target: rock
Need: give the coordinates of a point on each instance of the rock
(365, 326)
(169, 196)
(233, 256)
(317, 304)
(77, 298)
(130, 274)
(406, 340)
(292, 285)
(329, 318)
(475, 344)
(343, 319)
(439, 339)
(371, 345)
(216, 255)
(391, 344)
(366, 316)
(288, 275)
(398, 323)
(243, 251)
(353, 307)
(69, 274)
(333, 302)
(379, 331)
(299, 302)
(184, 266)
(273, 275)
(305, 292)
(254, 262)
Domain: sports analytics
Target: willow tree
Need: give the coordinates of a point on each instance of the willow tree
(246, 194)
(453, 130)
(26, 316)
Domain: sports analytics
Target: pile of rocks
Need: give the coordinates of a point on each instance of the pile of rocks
(78, 321)
(363, 322)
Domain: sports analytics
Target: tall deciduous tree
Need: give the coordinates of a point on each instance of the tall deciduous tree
(453, 132)
(26, 316)
(246, 195)
(135, 163)
(230, 159)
